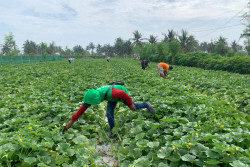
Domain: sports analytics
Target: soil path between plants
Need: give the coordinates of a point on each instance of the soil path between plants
(108, 159)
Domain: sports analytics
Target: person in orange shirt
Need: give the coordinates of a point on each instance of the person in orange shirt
(163, 69)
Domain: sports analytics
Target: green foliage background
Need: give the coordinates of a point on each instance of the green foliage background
(169, 53)
(202, 116)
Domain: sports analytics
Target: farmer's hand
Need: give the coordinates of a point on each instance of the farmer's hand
(69, 124)
(132, 107)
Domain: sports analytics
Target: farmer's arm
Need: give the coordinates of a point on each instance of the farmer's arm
(76, 116)
(166, 73)
(120, 94)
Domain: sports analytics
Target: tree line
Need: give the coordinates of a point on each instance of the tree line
(129, 48)
(134, 46)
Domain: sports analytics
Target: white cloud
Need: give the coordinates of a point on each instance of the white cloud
(71, 22)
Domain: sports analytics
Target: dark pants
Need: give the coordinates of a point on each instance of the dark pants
(111, 108)
(143, 65)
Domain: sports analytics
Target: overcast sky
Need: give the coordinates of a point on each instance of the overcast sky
(79, 22)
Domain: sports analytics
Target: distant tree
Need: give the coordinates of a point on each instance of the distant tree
(119, 47)
(188, 43)
(222, 40)
(59, 50)
(170, 36)
(192, 44)
(128, 47)
(183, 39)
(235, 47)
(221, 48)
(152, 39)
(246, 32)
(52, 48)
(108, 50)
(42, 48)
(9, 47)
(174, 48)
(211, 47)
(68, 52)
(91, 46)
(78, 50)
(30, 47)
(99, 49)
(203, 46)
(138, 40)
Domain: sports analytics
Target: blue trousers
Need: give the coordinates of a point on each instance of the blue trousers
(111, 108)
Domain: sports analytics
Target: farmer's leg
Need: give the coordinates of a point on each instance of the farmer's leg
(143, 105)
(110, 114)
(161, 71)
(140, 105)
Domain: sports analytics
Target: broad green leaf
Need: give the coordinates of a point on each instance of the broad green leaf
(174, 158)
(81, 140)
(65, 149)
(212, 161)
(188, 157)
(238, 163)
(163, 165)
(61, 159)
(141, 162)
(135, 153)
(153, 144)
(212, 154)
(30, 160)
(136, 130)
(164, 152)
(142, 143)
(125, 163)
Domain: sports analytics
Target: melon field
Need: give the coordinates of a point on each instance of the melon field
(201, 116)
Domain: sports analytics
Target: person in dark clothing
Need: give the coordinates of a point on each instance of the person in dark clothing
(144, 64)
(112, 95)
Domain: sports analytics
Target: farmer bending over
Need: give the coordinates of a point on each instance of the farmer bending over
(163, 69)
(113, 94)
(144, 64)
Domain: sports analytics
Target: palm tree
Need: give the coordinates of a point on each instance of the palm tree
(246, 35)
(30, 47)
(235, 47)
(152, 40)
(90, 46)
(108, 50)
(192, 44)
(119, 47)
(137, 38)
(128, 47)
(183, 39)
(171, 35)
(203, 46)
(52, 48)
(211, 47)
(99, 49)
(222, 40)
(43, 47)
(221, 46)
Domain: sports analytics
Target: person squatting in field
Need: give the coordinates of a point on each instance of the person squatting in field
(144, 64)
(163, 69)
(108, 59)
(113, 94)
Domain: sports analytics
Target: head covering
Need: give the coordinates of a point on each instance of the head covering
(92, 96)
